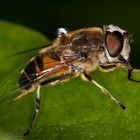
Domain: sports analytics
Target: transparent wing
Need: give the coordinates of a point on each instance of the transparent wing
(29, 50)
(10, 71)
(52, 68)
(9, 85)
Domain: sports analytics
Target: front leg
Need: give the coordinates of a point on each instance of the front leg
(130, 71)
(110, 67)
(107, 67)
(105, 91)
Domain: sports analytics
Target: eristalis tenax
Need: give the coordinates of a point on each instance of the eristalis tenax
(77, 53)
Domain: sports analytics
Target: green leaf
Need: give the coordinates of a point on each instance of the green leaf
(75, 110)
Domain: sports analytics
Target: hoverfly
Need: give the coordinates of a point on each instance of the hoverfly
(77, 53)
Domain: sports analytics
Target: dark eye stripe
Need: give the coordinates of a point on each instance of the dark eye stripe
(114, 43)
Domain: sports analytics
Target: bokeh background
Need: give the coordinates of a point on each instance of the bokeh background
(65, 114)
(47, 16)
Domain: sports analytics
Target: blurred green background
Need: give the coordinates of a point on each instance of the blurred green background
(75, 110)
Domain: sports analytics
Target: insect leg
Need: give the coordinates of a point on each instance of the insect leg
(107, 68)
(36, 112)
(130, 70)
(111, 67)
(90, 79)
(45, 83)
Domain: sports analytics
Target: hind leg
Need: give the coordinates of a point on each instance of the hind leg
(45, 83)
(36, 112)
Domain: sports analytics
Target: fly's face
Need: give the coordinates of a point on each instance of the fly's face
(117, 47)
(106, 46)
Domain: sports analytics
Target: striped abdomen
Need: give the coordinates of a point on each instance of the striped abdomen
(37, 66)
(29, 74)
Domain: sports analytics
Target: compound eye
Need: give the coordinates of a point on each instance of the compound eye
(114, 43)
